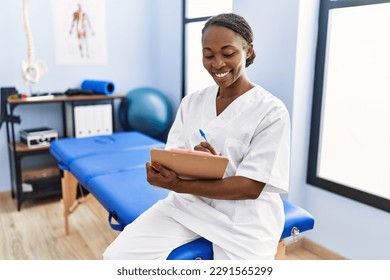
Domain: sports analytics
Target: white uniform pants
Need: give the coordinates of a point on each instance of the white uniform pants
(153, 236)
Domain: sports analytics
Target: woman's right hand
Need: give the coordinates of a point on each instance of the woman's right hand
(206, 147)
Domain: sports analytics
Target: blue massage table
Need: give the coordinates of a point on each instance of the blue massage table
(112, 169)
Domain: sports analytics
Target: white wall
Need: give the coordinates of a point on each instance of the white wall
(285, 41)
(274, 25)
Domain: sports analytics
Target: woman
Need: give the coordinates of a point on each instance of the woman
(241, 214)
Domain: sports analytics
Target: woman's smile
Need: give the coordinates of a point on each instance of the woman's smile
(221, 75)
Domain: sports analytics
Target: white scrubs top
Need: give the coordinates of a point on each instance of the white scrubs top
(254, 133)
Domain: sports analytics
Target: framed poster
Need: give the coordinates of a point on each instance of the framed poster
(79, 32)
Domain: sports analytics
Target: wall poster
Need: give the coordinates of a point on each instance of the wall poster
(79, 31)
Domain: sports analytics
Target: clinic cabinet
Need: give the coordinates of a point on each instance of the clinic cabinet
(42, 181)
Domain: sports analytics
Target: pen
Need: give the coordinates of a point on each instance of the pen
(213, 151)
(203, 135)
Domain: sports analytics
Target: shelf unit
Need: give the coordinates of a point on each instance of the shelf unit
(41, 186)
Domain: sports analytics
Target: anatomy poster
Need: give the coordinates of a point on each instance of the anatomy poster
(79, 31)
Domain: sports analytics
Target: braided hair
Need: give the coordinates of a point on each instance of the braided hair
(235, 23)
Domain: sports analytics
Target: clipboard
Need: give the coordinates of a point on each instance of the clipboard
(191, 164)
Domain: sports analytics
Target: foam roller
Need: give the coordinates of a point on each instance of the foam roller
(99, 87)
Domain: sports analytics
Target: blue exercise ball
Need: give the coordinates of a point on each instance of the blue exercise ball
(146, 110)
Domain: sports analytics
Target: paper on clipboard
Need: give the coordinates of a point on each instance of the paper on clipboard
(191, 164)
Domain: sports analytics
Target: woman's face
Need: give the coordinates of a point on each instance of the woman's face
(224, 55)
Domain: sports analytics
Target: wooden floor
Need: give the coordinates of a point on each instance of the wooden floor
(37, 232)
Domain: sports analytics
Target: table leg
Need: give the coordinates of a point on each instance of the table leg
(69, 196)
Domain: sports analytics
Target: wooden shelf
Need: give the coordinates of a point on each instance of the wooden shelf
(23, 148)
(39, 173)
(38, 184)
(65, 98)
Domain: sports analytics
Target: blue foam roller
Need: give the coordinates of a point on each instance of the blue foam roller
(100, 87)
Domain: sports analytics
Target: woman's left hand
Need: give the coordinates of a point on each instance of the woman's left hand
(158, 175)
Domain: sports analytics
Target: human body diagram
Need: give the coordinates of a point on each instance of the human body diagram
(82, 27)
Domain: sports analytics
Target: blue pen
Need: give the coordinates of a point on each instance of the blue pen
(213, 151)
(202, 134)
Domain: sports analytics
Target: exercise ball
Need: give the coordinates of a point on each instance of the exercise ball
(146, 110)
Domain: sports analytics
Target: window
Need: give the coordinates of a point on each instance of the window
(350, 131)
(195, 14)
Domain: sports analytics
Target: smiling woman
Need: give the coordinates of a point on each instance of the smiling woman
(224, 56)
(227, 50)
(244, 123)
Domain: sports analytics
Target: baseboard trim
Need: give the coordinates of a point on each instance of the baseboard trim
(307, 244)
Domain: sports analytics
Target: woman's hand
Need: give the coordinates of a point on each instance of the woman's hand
(159, 176)
(206, 147)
